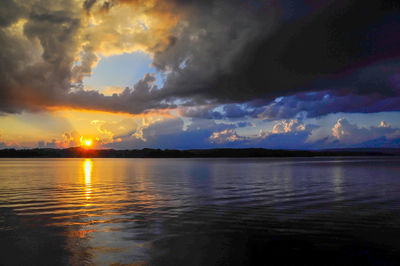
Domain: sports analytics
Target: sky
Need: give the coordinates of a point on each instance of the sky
(183, 74)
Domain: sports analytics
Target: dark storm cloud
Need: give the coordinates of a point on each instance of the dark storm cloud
(370, 89)
(36, 58)
(375, 88)
(40, 43)
(87, 4)
(315, 105)
(226, 111)
(10, 12)
(264, 61)
(233, 53)
(207, 112)
(144, 95)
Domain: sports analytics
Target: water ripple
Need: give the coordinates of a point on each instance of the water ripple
(102, 211)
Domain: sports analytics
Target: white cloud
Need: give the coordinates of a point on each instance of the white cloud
(286, 126)
(348, 133)
(227, 135)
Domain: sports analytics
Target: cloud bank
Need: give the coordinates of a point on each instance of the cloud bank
(232, 58)
(285, 134)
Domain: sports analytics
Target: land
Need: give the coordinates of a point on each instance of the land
(78, 152)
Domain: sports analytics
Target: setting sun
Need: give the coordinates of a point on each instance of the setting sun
(86, 142)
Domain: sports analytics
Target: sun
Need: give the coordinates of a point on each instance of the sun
(86, 142)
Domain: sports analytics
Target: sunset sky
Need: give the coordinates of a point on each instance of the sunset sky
(180, 74)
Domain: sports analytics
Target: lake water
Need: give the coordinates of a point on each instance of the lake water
(321, 211)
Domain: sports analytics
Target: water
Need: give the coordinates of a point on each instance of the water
(306, 211)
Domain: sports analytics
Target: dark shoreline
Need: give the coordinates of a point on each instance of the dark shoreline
(77, 152)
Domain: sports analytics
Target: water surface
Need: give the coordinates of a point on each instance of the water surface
(200, 211)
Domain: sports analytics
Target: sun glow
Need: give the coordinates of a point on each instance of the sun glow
(86, 142)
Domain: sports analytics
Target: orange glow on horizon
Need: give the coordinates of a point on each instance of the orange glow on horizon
(71, 128)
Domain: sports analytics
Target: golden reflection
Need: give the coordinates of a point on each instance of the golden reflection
(88, 168)
(338, 182)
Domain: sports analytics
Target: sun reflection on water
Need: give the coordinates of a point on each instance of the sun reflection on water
(88, 168)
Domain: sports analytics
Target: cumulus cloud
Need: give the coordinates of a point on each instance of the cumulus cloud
(293, 134)
(170, 133)
(48, 47)
(67, 139)
(285, 126)
(126, 128)
(285, 134)
(348, 133)
(70, 139)
(227, 135)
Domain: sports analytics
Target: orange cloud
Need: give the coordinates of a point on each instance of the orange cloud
(123, 27)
